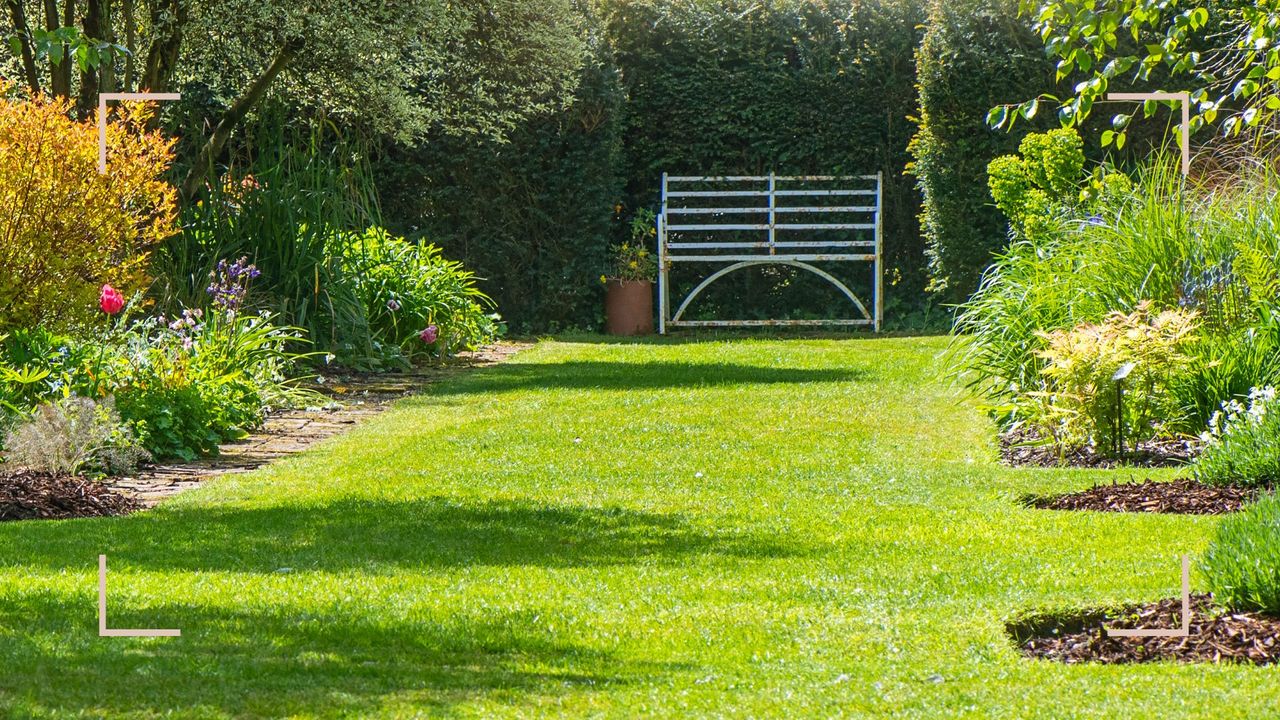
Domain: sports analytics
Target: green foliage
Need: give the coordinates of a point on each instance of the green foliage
(300, 186)
(182, 387)
(1045, 183)
(1079, 402)
(533, 215)
(1242, 444)
(1040, 183)
(1208, 251)
(203, 380)
(634, 259)
(407, 287)
(1228, 57)
(1242, 563)
(975, 55)
(738, 87)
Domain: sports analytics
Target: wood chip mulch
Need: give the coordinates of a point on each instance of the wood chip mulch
(30, 495)
(1215, 635)
(1186, 497)
(1024, 448)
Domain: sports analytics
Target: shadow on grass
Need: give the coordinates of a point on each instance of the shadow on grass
(284, 661)
(366, 534)
(766, 334)
(635, 376)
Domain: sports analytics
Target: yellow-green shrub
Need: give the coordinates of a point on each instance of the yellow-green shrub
(66, 229)
(1077, 404)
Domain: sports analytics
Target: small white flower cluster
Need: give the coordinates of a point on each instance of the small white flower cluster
(1235, 415)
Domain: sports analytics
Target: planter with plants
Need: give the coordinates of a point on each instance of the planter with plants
(628, 299)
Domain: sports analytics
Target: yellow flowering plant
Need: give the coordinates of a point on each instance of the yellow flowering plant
(632, 260)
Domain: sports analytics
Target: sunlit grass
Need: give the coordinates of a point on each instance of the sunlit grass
(724, 528)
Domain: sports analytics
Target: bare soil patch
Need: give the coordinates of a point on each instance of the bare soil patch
(32, 495)
(1186, 497)
(1215, 635)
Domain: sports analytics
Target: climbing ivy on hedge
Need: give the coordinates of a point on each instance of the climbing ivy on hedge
(749, 87)
(975, 55)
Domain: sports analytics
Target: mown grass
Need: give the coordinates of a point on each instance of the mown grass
(736, 528)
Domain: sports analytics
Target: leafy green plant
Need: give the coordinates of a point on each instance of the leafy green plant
(976, 54)
(182, 384)
(1080, 402)
(633, 260)
(1242, 562)
(301, 186)
(406, 288)
(1045, 183)
(1242, 443)
(1207, 250)
(1041, 181)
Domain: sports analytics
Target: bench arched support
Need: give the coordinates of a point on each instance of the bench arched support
(752, 263)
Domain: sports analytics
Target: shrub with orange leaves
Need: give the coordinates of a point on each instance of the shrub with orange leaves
(66, 229)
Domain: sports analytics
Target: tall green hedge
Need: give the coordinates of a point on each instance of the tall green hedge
(976, 54)
(796, 87)
(533, 215)
(738, 87)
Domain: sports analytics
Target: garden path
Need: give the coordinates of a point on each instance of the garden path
(356, 397)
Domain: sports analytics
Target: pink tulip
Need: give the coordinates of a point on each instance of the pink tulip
(429, 334)
(111, 301)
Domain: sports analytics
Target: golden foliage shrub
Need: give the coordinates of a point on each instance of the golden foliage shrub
(1079, 404)
(66, 229)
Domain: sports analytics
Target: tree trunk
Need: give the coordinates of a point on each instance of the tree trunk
(51, 22)
(203, 164)
(107, 71)
(68, 62)
(91, 78)
(162, 56)
(19, 17)
(130, 43)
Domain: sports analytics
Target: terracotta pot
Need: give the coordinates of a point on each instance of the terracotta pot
(628, 307)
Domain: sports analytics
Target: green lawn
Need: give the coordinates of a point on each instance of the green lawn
(741, 528)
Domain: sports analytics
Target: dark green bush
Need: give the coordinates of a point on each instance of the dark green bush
(532, 216)
(976, 54)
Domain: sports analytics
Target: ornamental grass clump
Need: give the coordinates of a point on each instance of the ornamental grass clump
(1242, 562)
(1107, 383)
(1242, 444)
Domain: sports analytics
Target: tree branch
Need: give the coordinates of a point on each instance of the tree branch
(203, 164)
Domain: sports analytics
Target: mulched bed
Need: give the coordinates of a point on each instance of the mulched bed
(1187, 497)
(1216, 635)
(31, 495)
(1024, 448)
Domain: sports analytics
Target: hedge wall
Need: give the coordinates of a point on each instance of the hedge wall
(975, 55)
(738, 86)
(533, 215)
(749, 87)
